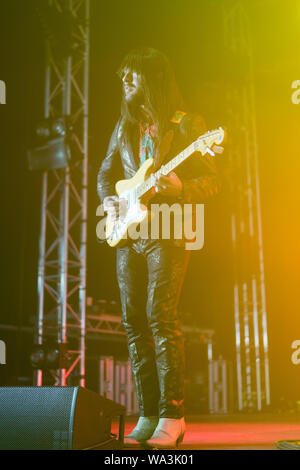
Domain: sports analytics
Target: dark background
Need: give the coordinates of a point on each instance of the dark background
(191, 35)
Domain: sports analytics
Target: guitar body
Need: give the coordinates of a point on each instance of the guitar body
(136, 212)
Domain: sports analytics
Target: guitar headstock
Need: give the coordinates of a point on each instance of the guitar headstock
(205, 143)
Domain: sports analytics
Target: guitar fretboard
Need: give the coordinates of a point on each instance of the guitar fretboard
(176, 161)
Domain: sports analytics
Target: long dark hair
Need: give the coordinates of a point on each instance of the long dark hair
(161, 94)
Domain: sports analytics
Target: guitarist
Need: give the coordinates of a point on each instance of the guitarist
(151, 272)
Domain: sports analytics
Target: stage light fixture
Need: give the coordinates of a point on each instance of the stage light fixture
(50, 356)
(51, 148)
(37, 356)
(59, 127)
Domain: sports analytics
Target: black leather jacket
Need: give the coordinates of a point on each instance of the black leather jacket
(121, 161)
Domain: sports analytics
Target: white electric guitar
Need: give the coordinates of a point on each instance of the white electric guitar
(134, 190)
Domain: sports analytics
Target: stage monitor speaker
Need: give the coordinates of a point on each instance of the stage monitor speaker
(57, 418)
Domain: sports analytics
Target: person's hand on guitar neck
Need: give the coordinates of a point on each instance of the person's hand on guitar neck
(169, 185)
(115, 206)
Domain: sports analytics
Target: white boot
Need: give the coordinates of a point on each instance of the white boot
(144, 429)
(168, 434)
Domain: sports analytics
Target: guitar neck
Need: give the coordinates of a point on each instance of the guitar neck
(167, 168)
(202, 144)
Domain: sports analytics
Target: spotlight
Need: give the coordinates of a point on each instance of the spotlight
(59, 127)
(49, 356)
(51, 148)
(37, 357)
(56, 357)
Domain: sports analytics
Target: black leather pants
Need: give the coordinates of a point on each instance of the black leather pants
(150, 275)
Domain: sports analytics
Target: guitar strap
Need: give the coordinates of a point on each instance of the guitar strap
(168, 138)
(146, 142)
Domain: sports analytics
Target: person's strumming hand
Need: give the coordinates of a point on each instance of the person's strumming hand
(114, 206)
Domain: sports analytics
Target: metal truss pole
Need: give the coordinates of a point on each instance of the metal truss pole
(249, 288)
(63, 235)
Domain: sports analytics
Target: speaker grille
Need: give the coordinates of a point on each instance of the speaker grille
(36, 417)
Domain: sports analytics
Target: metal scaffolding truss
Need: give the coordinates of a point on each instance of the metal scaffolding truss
(108, 324)
(63, 235)
(249, 285)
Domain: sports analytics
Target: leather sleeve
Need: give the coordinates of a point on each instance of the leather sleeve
(199, 184)
(111, 168)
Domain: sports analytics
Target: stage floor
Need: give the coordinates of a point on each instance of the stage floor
(235, 432)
